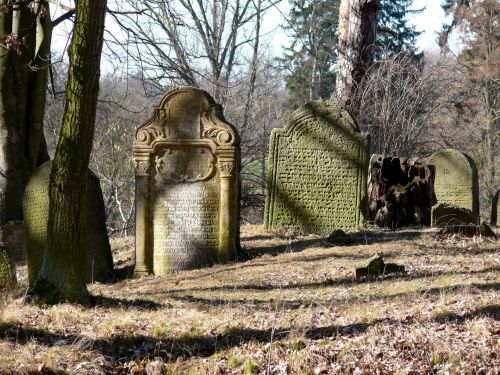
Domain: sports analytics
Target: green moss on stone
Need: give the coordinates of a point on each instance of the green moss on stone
(317, 173)
(7, 270)
(456, 179)
(98, 260)
(444, 214)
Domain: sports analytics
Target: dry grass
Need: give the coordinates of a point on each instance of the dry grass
(293, 308)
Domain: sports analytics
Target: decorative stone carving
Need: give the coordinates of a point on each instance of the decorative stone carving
(187, 199)
(456, 179)
(317, 172)
(98, 259)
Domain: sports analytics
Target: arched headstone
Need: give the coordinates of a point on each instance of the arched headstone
(98, 259)
(456, 180)
(187, 182)
(317, 171)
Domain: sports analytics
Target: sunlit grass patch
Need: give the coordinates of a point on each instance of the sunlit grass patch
(293, 306)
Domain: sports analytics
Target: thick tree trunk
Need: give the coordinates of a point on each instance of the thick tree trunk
(357, 34)
(23, 81)
(11, 181)
(61, 276)
(36, 147)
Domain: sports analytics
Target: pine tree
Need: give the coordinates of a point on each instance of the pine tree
(394, 34)
(311, 56)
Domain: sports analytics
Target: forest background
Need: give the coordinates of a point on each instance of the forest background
(411, 102)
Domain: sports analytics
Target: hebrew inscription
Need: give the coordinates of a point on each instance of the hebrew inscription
(317, 172)
(187, 181)
(185, 220)
(456, 180)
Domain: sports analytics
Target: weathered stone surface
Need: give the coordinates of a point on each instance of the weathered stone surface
(98, 259)
(375, 266)
(7, 269)
(444, 214)
(456, 180)
(187, 185)
(317, 172)
(495, 209)
(400, 191)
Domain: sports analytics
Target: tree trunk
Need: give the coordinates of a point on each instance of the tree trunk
(62, 275)
(357, 34)
(9, 195)
(255, 62)
(23, 82)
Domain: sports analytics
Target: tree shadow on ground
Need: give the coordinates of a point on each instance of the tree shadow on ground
(264, 303)
(240, 265)
(492, 311)
(138, 303)
(329, 282)
(353, 239)
(122, 348)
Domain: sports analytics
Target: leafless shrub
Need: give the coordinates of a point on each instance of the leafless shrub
(400, 99)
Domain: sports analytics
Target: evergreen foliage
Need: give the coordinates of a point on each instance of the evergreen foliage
(312, 54)
(394, 34)
(311, 57)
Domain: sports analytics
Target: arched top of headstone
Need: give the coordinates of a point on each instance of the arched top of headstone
(331, 112)
(456, 179)
(453, 156)
(185, 114)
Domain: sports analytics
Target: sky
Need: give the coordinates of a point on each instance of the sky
(429, 22)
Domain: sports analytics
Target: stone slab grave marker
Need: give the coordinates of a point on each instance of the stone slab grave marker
(187, 185)
(456, 179)
(98, 259)
(317, 172)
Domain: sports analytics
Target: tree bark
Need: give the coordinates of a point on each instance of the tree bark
(23, 82)
(357, 34)
(9, 195)
(61, 276)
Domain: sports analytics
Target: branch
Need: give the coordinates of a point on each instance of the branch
(64, 17)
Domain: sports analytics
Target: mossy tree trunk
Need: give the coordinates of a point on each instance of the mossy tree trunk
(25, 35)
(62, 275)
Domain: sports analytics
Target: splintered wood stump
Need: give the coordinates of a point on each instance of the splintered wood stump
(399, 192)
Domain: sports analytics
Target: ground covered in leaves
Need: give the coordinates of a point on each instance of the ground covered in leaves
(292, 307)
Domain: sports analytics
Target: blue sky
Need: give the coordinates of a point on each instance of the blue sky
(429, 22)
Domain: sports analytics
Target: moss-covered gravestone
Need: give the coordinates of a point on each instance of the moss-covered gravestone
(98, 259)
(7, 270)
(445, 214)
(187, 185)
(456, 179)
(317, 172)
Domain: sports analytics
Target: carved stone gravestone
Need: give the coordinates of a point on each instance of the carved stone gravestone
(317, 172)
(98, 259)
(187, 185)
(456, 179)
